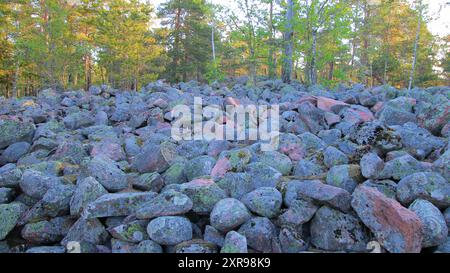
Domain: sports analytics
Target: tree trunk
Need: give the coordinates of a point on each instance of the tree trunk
(288, 43)
(271, 57)
(312, 69)
(416, 44)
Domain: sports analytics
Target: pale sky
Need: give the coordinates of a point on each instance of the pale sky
(438, 25)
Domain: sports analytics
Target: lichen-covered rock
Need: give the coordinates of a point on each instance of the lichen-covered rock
(398, 229)
(291, 241)
(300, 212)
(6, 195)
(401, 167)
(87, 191)
(132, 232)
(148, 246)
(43, 232)
(14, 152)
(229, 214)
(278, 161)
(12, 131)
(435, 229)
(333, 230)
(333, 157)
(10, 176)
(149, 182)
(264, 201)
(170, 230)
(154, 158)
(78, 120)
(168, 203)
(386, 187)
(424, 185)
(199, 166)
(262, 175)
(346, 177)
(371, 165)
(234, 243)
(323, 194)
(213, 235)
(36, 184)
(196, 246)
(10, 215)
(442, 165)
(106, 172)
(86, 230)
(261, 235)
(117, 204)
(204, 194)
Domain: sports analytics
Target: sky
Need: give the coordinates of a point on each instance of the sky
(439, 23)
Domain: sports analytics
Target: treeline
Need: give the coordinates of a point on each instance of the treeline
(67, 44)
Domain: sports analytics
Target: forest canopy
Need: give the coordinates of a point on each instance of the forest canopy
(73, 44)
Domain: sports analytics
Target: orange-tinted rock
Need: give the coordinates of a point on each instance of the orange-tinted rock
(398, 229)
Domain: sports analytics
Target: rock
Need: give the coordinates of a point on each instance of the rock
(371, 165)
(6, 195)
(12, 131)
(278, 161)
(15, 151)
(334, 157)
(10, 214)
(447, 216)
(199, 166)
(433, 116)
(386, 187)
(196, 246)
(148, 246)
(261, 235)
(300, 212)
(46, 250)
(234, 243)
(398, 229)
(10, 176)
(133, 232)
(401, 167)
(36, 184)
(236, 185)
(291, 242)
(87, 191)
(175, 174)
(445, 247)
(149, 182)
(262, 175)
(392, 116)
(429, 186)
(306, 168)
(418, 141)
(71, 152)
(204, 194)
(229, 214)
(122, 247)
(40, 233)
(168, 203)
(323, 194)
(442, 165)
(346, 177)
(435, 229)
(333, 230)
(56, 201)
(106, 172)
(117, 204)
(95, 90)
(78, 120)
(170, 230)
(86, 230)
(214, 236)
(264, 201)
(108, 149)
(154, 158)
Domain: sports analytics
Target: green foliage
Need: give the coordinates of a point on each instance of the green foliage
(214, 72)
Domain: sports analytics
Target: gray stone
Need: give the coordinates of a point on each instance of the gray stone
(15, 151)
(87, 191)
(371, 165)
(86, 230)
(6, 195)
(199, 166)
(426, 185)
(10, 214)
(261, 235)
(106, 172)
(435, 229)
(264, 201)
(36, 184)
(333, 230)
(170, 230)
(333, 157)
(168, 203)
(132, 232)
(204, 194)
(300, 212)
(149, 182)
(12, 131)
(229, 214)
(346, 177)
(117, 204)
(234, 243)
(401, 167)
(291, 242)
(154, 158)
(148, 246)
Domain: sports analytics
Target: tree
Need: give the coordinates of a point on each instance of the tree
(288, 43)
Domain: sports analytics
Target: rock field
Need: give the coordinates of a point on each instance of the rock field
(98, 171)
